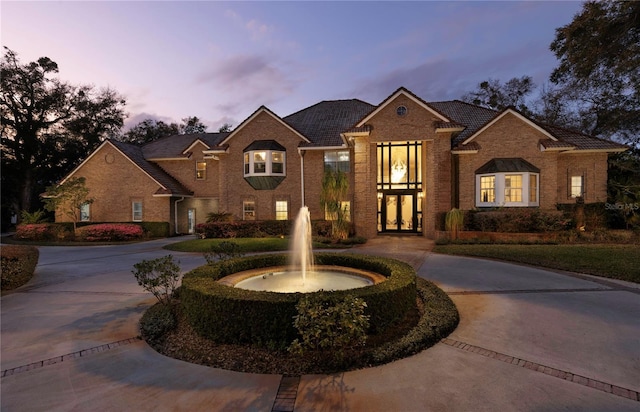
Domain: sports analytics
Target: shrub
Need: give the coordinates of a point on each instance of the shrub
(223, 251)
(39, 216)
(156, 229)
(108, 232)
(256, 228)
(517, 221)
(41, 232)
(18, 264)
(157, 321)
(328, 323)
(159, 276)
(232, 315)
(220, 217)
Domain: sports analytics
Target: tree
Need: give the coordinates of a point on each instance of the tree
(68, 197)
(225, 128)
(48, 126)
(150, 130)
(599, 68)
(335, 186)
(497, 96)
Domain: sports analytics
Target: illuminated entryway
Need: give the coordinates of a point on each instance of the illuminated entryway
(399, 185)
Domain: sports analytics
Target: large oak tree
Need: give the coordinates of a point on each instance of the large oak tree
(48, 126)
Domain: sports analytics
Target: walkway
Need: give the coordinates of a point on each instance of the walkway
(528, 339)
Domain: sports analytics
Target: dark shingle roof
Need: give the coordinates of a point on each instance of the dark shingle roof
(135, 154)
(323, 122)
(581, 141)
(507, 165)
(174, 146)
(469, 115)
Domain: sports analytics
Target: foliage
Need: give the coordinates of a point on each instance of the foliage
(328, 323)
(157, 321)
(47, 126)
(18, 265)
(159, 276)
(245, 245)
(68, 197)
(243, 229)
(599, 68)
(41, 231)
(155, 229)
(624, 188)
(150, 130)
(335, 186)
(222, 251)
(220, 217)
(517, 220)
(39, 216)
(233, 315)
(611, 261)
(454, 221)
(110, 232)
(494, 95)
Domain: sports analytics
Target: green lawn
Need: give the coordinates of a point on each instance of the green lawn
(611, 261)
(266, 244)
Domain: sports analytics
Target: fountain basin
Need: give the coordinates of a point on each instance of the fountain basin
(280, 279)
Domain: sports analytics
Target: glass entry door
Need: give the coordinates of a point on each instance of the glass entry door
(398, 213)
(191, 217)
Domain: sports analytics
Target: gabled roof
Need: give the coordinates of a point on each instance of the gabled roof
(582, 141)
(177, 146)
(169, 185)
(393, 96)
(469, 115)
(323, 122)
(263, 109)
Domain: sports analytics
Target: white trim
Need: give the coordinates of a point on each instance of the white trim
(450, 129)
(463, 152)
(195, 142)
(499, 189)
(390, 99)
(261, 110)
(161, 159)
(578, 151)
(323, 147)
(268, 163)
(518, 115)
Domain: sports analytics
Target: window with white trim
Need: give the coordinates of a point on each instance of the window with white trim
(136, 208)
(577, 186)
(85, 212)
(282, 210)
(264, 163)
(337, 161)
(507, 189)
(201, 170)
(249, 210)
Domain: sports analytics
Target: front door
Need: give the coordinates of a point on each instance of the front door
(399, 213)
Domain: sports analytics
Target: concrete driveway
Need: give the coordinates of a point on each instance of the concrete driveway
(528, 340)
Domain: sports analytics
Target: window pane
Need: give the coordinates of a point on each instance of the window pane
(281, 210)
(259, 162)
(576, 186)
(85, 212)
(137, 211)
(277, 162)
(201, 170)
(513, 188)
(533, 188)
(247, 163)
(488, 189)
(249, 210)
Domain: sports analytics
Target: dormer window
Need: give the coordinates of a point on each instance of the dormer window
(264, 158)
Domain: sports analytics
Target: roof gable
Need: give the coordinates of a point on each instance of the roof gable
(261, 110)
(501, 115)
(402, 92)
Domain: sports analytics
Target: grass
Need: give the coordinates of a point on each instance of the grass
(246, 245)
(611, 261)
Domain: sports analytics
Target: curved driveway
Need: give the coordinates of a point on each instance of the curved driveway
(528, 340)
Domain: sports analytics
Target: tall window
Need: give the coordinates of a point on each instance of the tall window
(282, 212)
(249, 210)
(136, 207)
(533, 188)
(399, 165)
(201, 170)
(85, 212)
(337, 161)
(487, 189)
(513, 188)
(277, 162)
(577, 186)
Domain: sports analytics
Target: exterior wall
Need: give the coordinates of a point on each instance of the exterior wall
(185, 172)
(114, 182)
(234, 189)
(593, 166)
(523, 142)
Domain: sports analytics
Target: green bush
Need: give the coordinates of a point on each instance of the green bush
(157, 321)
(232, 315)
(223, 251)
(220, 229)
(327, 323)
(526, 220)
(156, 229)
(18, 265)
(159, 276)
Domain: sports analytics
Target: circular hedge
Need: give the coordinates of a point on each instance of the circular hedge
(232, 315)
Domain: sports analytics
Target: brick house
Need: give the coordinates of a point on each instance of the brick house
(408, 161)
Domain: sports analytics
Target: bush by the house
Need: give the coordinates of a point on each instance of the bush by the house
(516, 221)
(255, 228)
(109, 232)
(18, 264)
(42, 232)
(156, 229)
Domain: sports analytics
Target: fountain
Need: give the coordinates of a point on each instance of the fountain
(302, 275)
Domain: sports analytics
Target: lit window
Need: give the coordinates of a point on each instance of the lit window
(85, 212)
(136, 207)
(533, 188)
(488, 189)
(577, 186)
(201, 170)
(337, 161)
(513, 188)
(282, 212)
(247, 163)
(249, 210)
(264, 163)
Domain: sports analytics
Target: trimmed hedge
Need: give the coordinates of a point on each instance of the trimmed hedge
(256, 228)
(108, 232)
(18, 264)
(63, 231)
(232, 315)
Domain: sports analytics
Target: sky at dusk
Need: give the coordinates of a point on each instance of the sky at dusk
(220, 61)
